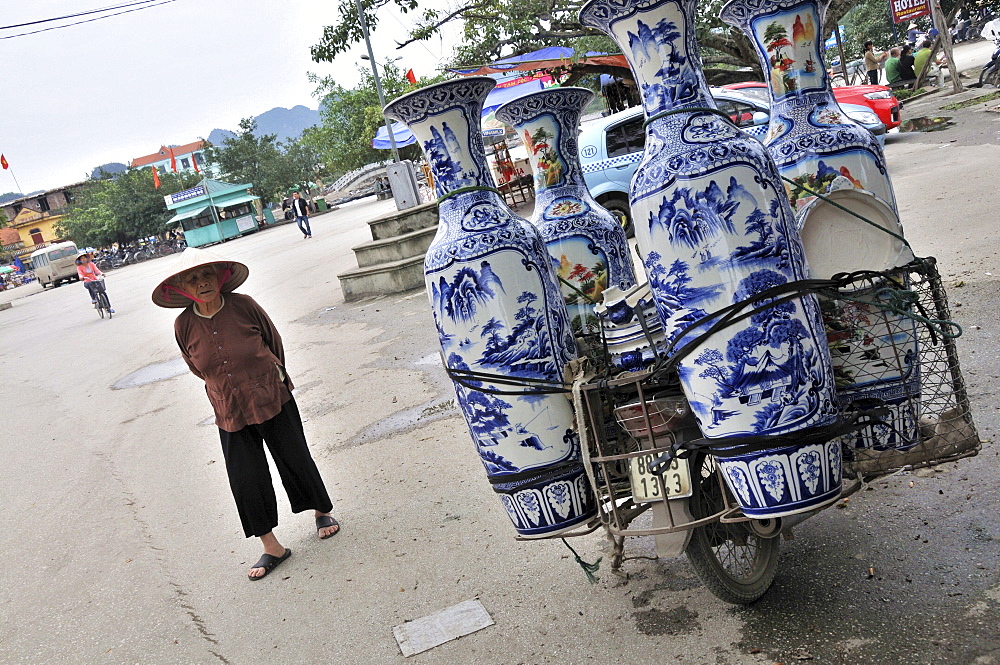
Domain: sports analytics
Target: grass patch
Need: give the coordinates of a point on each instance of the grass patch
(905, 94)
(972, 102)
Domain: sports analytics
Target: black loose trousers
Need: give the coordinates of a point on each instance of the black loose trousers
(250, 478)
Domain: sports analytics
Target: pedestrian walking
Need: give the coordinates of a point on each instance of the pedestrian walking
(301, 210)
(229, 342)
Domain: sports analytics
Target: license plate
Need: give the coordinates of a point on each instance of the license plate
(646, 487)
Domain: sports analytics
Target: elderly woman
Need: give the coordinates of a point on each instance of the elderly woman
(229, 342)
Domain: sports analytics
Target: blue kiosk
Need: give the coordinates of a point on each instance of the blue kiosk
(214, 211)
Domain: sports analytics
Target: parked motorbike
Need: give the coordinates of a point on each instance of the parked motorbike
(991, 71)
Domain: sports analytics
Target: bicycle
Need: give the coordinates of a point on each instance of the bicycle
(100, 297)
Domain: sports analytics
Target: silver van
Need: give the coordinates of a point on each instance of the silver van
(55, 264)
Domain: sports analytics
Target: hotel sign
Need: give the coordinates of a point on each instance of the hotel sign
(908, 10)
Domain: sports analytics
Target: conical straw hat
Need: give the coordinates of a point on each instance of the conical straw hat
(167, 295)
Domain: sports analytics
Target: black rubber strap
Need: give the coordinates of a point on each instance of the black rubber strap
(688, 109)
(736, 446)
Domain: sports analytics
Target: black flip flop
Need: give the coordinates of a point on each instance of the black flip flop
(324, 521)
(268, 562)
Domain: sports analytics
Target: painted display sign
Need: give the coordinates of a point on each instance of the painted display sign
(187, 194)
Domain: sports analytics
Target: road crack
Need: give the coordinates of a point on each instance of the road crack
(132, 504)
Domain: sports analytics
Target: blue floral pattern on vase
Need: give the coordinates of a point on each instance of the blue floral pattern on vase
(810, 139)
(715, 227)
(497, 307)
(785, 481)
(588, 246)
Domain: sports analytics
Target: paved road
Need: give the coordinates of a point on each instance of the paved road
(122, 544)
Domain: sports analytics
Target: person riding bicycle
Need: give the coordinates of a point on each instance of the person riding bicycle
(90, 274)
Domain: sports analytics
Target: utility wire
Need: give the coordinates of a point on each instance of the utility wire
(90, 20)
(60, 18)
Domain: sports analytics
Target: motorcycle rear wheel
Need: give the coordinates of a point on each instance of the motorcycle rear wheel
(733, 562)
(990, 75)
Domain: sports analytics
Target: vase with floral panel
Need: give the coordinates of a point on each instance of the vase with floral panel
(810, 139)
(499, 312)
(588, 246)
(715, 228)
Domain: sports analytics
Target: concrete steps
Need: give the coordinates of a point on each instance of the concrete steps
(402, 222)
(375, 252)
(393, 261)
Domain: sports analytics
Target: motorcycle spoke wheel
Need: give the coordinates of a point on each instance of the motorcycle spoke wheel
(733, 562)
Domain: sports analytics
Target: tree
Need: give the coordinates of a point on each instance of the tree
(493, 29)
(301, 163)
(349, 119)
(121, 208)
(246, 158)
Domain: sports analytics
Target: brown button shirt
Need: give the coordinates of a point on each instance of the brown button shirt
(238, 353)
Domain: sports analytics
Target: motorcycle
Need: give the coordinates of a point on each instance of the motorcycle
(991, 71)
(726, 503)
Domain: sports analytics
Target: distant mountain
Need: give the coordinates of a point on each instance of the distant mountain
(218, 136)
(288, 124)
(10, 196)
(109, 169)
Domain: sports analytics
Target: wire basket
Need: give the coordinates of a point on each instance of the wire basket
(893, 346)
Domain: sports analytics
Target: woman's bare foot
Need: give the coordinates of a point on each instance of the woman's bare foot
(326, 531)
(272, 547)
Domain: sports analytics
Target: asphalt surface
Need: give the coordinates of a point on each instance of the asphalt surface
(122, 544)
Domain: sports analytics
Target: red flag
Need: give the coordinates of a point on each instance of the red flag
(3, 162)
(173, 160)
(156, 178)
(195, 163)
(411, 77)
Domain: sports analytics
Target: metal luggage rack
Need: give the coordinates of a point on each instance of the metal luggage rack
(636, 431)
(907, 309)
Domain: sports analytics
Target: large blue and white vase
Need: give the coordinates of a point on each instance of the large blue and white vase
(587, 244)
(809, 137)
(814, 144)
(714, 228)
(498, 311)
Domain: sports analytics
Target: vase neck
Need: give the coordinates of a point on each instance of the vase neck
(446, 120)
(548, 122)
(658, 39)
(786, 36)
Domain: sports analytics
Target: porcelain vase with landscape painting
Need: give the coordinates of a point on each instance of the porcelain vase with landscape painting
(715, 228)
(815, 145)
(499, 312)
(588, 246)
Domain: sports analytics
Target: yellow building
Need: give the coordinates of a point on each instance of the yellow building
(36, 229)
(34, 218)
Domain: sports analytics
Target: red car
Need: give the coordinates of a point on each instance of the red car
(877, 97)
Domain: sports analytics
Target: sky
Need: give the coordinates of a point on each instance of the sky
(116, 89)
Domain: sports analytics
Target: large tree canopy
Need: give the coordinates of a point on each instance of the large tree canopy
(500, 28)
(254, 159)
(122, 208)
(349, 119)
